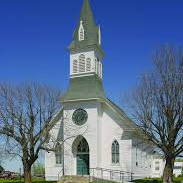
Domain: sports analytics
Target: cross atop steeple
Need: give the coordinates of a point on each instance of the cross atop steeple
(87, 33)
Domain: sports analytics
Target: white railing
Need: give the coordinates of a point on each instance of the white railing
(111, 175)
(60, 174)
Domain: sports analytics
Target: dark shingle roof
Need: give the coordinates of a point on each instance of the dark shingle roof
(86, 87)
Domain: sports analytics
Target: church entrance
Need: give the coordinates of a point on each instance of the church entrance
(82, 158)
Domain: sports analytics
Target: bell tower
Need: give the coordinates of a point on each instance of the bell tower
(85, 49)
(85, 59)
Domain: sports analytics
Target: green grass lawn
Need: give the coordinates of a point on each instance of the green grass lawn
(158, 180)
(154, 180)
(18, 181)
(148, 180)
(104, 182)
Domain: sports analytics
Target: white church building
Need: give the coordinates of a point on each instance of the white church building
(91, 132)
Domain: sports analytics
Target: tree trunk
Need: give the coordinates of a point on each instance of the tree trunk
(168, 170)
(27, 173)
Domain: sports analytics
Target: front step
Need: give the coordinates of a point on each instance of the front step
(74, 179)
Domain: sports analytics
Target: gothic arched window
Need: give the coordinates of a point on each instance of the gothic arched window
(58, 154)
(83, 146)
(81, 32)
(75, 66)
(115, 152)
(88, 65)
(82, 63)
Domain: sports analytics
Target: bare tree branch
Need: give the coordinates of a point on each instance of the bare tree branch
(156, 105)
(25, 120)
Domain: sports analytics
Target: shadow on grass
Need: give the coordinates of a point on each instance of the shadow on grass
(158, 180)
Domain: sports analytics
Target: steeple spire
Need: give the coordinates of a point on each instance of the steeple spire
(86, 14)
(85, 59)
(86, 34)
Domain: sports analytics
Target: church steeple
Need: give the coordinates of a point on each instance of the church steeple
(85, 59)
(85, 49)
(86, 35)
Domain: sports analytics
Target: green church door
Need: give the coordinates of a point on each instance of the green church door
(82, 158)
(82, 164)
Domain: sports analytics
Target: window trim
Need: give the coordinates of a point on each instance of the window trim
(58, 153)
(115, 153)
(82, 63)
(58, 159)
(88, 65)
(81, 32)
(75, 66)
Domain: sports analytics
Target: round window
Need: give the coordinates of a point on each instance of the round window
(80, 117)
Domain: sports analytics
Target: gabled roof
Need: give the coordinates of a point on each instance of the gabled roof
(53, 122)
(129, 123)
(57, 117)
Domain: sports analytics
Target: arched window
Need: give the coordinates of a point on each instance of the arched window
(115, 152)
(81, 32)
(88, 65)
(83, 146)
(75, 66)
(58, 154)
(81, 63)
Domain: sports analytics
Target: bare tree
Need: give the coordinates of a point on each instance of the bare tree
(25, 114)
(156, 105)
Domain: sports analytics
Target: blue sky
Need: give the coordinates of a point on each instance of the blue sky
(34, 36)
